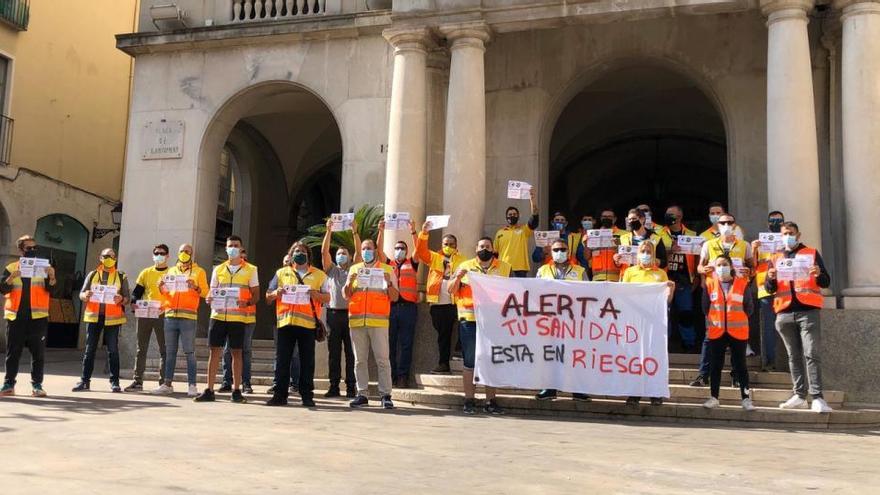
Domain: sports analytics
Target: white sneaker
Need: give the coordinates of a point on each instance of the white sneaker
(193, 391)
(749, 351)
(820, 406)
(747, 404)
(794, 402)
(711, 403)
(163, 389)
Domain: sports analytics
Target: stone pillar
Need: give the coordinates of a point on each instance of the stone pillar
(464, 169)
(792, 151)
(860, 78)
(406, 168)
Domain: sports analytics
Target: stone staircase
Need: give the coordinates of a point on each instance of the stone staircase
(684, 404)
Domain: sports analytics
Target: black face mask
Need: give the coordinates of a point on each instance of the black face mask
(606, 223)
(484, 255)
(512, 220)
(669, 218)
(635, 225)
(775, 225)
(30, 253)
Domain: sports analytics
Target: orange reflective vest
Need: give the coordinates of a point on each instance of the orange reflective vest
(240, 279)
(368, 307)
(464, 299)
(726, 313)
(439, 266)
(407, 282)
(185, 304)
(808, 291)
(114, 314)
(39, 296)
(300, 315)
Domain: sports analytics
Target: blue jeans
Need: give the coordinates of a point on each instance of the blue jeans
(402, 330)
(683, 313)
(93, 338)
(467, 335)
(182, 331)
(768, 331)
(246, 353)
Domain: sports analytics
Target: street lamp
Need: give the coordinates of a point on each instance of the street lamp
(116, 216)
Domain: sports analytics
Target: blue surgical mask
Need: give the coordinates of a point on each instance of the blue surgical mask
(368, 255)
(233, 252)
(399, 254)
(790, 241)
(341, 259)
(586, 224)
(645, 259)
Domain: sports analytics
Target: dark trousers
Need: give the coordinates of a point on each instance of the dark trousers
(26, 333)
(93, 338)
(339, 338)
(402, 330)
(444, 317)
(717, 349)
(286, 340)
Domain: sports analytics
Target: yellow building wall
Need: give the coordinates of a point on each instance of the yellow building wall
(69, 91)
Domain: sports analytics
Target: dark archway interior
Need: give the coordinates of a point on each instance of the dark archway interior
(642, 134)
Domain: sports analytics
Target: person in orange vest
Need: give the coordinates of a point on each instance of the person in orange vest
(775, 219)
(727, 304)
(230, 315)
(797, 304)
(27, 318)
(441, 267)
(105, 293)
(146, 288)
(404, 311)
(181, 315)
(369, 308)
(486, 263)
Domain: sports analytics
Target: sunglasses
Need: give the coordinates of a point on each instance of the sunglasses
(559, 250)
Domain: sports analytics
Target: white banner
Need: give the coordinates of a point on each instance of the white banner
(601, 338)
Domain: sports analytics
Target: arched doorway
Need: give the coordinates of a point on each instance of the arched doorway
(642, 133)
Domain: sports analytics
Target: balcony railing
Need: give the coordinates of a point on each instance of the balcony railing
(15, 13)
(6, 125)
(266, 10)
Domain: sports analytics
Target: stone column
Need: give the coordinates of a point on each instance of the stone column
(464, 169)
(406, 168)
(792, 151)
(860, 75)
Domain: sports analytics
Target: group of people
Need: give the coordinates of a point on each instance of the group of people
(366, 314)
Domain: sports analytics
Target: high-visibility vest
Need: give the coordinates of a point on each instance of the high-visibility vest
(626, 239)
(185, 304)
(407, 282)
(726, 313)
(669, 240)
(438, 267)
(550, 272)
(240, 279)
(300, 315)
(808, 291)
(368, 307)
(114, 314)
(464, 299)
(739, 250)
(39, 296)
(763, 264)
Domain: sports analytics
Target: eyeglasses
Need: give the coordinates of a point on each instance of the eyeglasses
(560, 250)
(726, 222)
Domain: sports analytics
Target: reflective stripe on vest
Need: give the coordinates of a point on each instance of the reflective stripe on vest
(726, 313)
(114, 314)
(240, 279)
(808, 291)
(39, 297)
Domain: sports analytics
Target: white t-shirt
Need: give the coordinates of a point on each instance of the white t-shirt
(253, 282)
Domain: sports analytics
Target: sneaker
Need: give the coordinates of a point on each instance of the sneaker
(581, 397)
(546, 394)
(359, 401)
(237, 397)
(225, 388)
(163, 389)
(441, 369)
(700, 381)
(711, 403)
(633, 401)
(37, 390)
(386, 402)
(656, 401)
(351, 392)
(749, 351)
(81, 386)
(276, 402)
(7, 390)
(247, 389)
(192, 391)
(470, 407)
(820, 406)
(747, 404)
(135, 387)
(115, 388)
(333, 392)
(308, 402)
(795, 402)
(270, 390)
(206, 396)
(492, 407)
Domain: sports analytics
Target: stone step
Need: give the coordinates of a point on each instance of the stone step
(679, 393)
(616, 409)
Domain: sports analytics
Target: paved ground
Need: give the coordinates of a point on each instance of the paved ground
(100, 442)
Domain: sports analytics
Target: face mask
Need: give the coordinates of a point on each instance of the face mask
(300, 258)
(108, 262)
(775, 225)
(723, 271)
(484, 254)
(184, 257)
(30, 253)
(669, 218)
(558, 225)
(399, 254)
(560, 256)
(586, 224)
(790, 241)
(159, 258)
(448, 250)
(725, 229)
(645, 259)
(341, 259)
(714, 218)
(368, 255)
(634, 225)
(233, 252)
(606, 223)
(512, 220)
